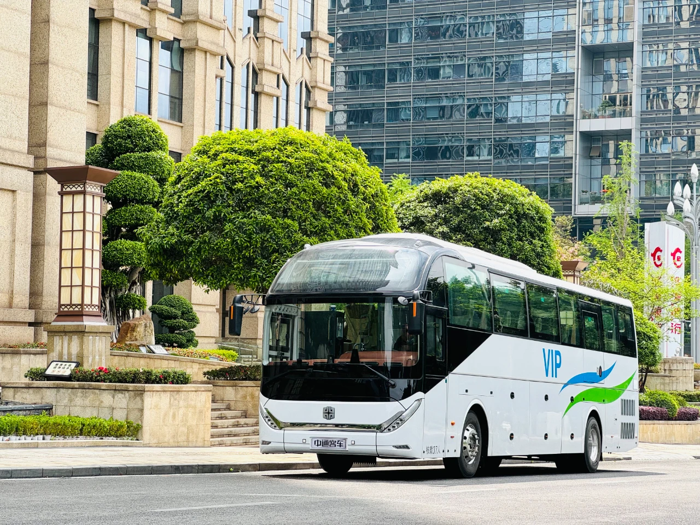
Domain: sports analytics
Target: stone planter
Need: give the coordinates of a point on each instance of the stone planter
(14, 362)
(696, 375)
(194, 367)
(171, 415)
(670, 432)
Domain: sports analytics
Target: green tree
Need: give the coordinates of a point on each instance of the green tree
(243, 202)
(399, 187)
(649, 355)
(177, 315)
(495, 215)
(568, 247)
(138, 148)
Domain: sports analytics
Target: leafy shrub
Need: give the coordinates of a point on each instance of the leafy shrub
(236, 373)
(130, 187)
(40, 344)
(137, 376)
(95, 156)
(133, 134)
(680, 400)
(157, 164)
(132, 216)
(66, 426)
(648, 340)
(687, 414)
(657, 398)
(177, 315)
(696, 366)
(114, 279)
(691, 396)
(123, 253)
(130, 301)
(653, 414)
(122, 347)
(223, 355)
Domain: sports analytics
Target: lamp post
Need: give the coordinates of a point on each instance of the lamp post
(691, 226)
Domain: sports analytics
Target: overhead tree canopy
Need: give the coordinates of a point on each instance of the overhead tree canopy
(243, 202)
(495, 215)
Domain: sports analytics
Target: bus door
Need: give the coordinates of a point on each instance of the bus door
(611, 423)
(592, 325)
(435, 384)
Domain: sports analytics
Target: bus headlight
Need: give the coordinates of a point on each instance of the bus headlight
(271, 420)
(397, 422)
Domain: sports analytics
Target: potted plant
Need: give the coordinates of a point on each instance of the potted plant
(604, 107)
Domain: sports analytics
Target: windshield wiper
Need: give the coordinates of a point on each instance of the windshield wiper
(391, 382)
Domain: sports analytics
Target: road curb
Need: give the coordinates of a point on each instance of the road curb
(208, 468)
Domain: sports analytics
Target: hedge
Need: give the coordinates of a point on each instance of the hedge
(157, 164)
(661, 414)
(133, 134)
(137, 376)
(687, 414)
(130, 187)
(223, 355)
(132, 216)
(66, 426)
(691, 396)
(235, 373)
(657, 398)
(123, 253)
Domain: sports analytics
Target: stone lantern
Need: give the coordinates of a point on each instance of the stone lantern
(571, 270)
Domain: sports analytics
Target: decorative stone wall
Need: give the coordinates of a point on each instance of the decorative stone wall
(672, 432)
(194, 367)
(676, 373)
(14, 362)
(171, 415)
(240, 395)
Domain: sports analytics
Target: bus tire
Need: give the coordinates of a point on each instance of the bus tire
(334, 464)
(488, 466)
(592, 451)
(467, 464)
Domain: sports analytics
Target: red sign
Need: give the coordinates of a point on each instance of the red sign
(677, 255)
(656, 257)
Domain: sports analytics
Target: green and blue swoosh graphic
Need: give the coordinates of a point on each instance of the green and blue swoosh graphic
(588, 377)
(601, 395)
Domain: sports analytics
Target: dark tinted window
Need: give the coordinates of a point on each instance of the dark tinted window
(437, 284)
(544, 321)
(569, 320)
(509, 309)
(609, 331)
(435, 362)
(625, 332)
(591, 329)
(469, 295)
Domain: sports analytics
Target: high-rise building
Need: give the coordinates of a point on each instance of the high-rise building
(70, 68)
(542, 92)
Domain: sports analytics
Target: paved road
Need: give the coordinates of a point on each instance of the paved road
(626, 492)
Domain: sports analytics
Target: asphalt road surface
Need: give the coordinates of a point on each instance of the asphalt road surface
(628, 492)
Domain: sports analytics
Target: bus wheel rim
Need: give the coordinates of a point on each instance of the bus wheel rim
(470, 444)
(593, 444)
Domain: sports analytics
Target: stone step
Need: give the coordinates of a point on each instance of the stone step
(234, 431)
(220, 406)
(227, 414)
(235, 441)
(234, 422)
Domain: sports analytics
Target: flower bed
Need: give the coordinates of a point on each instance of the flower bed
(67, 426)
(228, 356)
(101, 374)
(27, 345)
(661, 414)
(235, 373)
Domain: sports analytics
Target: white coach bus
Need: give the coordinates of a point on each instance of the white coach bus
(405, 346)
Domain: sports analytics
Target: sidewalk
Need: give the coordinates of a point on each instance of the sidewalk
(109, 461)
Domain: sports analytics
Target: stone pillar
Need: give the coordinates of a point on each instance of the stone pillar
(681, 370)
(86, 343)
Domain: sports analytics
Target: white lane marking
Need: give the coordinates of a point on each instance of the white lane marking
(254, 504)
(470, 489)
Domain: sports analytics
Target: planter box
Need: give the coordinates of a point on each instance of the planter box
(171, 415)
(670, 432)
(14, 362)
(241, 395)
(194, 367)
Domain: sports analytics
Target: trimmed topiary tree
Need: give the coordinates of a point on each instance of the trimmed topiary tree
(137, 148)
(648, 347)
(177, 315)
(243, 202)
(495, 215)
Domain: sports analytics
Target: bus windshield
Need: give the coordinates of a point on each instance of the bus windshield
(370, 333)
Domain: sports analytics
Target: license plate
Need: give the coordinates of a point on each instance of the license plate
(329, 444)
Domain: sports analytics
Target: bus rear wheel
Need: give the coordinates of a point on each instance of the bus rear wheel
(467, 464)
(592, 451)
(335, 465)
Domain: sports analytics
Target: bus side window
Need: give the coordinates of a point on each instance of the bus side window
(569, 319)
(437, 285)
(469, 295)
(625, 332)
(591, 330)
(544, 322)
(609, 331)
(509, 309)
(434, 346)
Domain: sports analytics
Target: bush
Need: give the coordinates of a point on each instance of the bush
(67, 426)
(648, 340)
(137, 376)
(177, 315)
(687, 414)
(680, 400)
(130, 187)
(116, 279)
(653, 414)
(95, 156)
(696, 366)
(157, 164)
(131, 217)
(657, 398)
(121, 347)
(223, 355)
(130, 301)
(133, 134)
(691, 396)
(235, 373)
(123, 253)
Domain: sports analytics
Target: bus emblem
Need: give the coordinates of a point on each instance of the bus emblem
(328, 413)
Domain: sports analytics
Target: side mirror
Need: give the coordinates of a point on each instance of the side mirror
(416, 317)
(235, 316)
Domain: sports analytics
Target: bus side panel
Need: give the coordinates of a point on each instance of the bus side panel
(435, 421)
(574, 422)
(463, 392)
(545, 418)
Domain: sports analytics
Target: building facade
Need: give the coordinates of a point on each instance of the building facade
(70, 68)
(542, 92)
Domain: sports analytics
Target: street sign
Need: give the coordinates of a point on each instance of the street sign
(60, 370)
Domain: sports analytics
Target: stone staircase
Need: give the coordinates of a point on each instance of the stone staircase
(230, 428)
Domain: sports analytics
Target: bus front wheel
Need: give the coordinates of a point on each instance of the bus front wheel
(335, 465)
(467, 464)
(592, 451)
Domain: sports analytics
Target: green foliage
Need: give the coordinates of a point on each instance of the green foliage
(399, 188)
(130, 217)
(117, 254)
(116, 280)
(235, 373)
(680, 400)
(137, 376)
(691, 396)
(29, 344)
(122, 347)
(657, 398)
(95, 156)
(243, 202)
(648, 341)
(157, 164)
(130, 187)
(130, 301)
(133, 134)
(222, 355)
(177, 315)
(568, 247)
(67, 426)
(494, 215)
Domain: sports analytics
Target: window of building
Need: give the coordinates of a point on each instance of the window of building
(298, 105)
(177, 6)
(170, 62)
(307, 107)
(228, 97)
(254, 98)
(90, 140)
(509, 309)
(282, 8)
(93, 55)
(175, 155)
(218, 114)
(250, 21)
(302, 108)
(282, 115)
(143, 72)
(544, 321)
(228, 12)
(244, 96)
(469, 295)
(305, 19)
